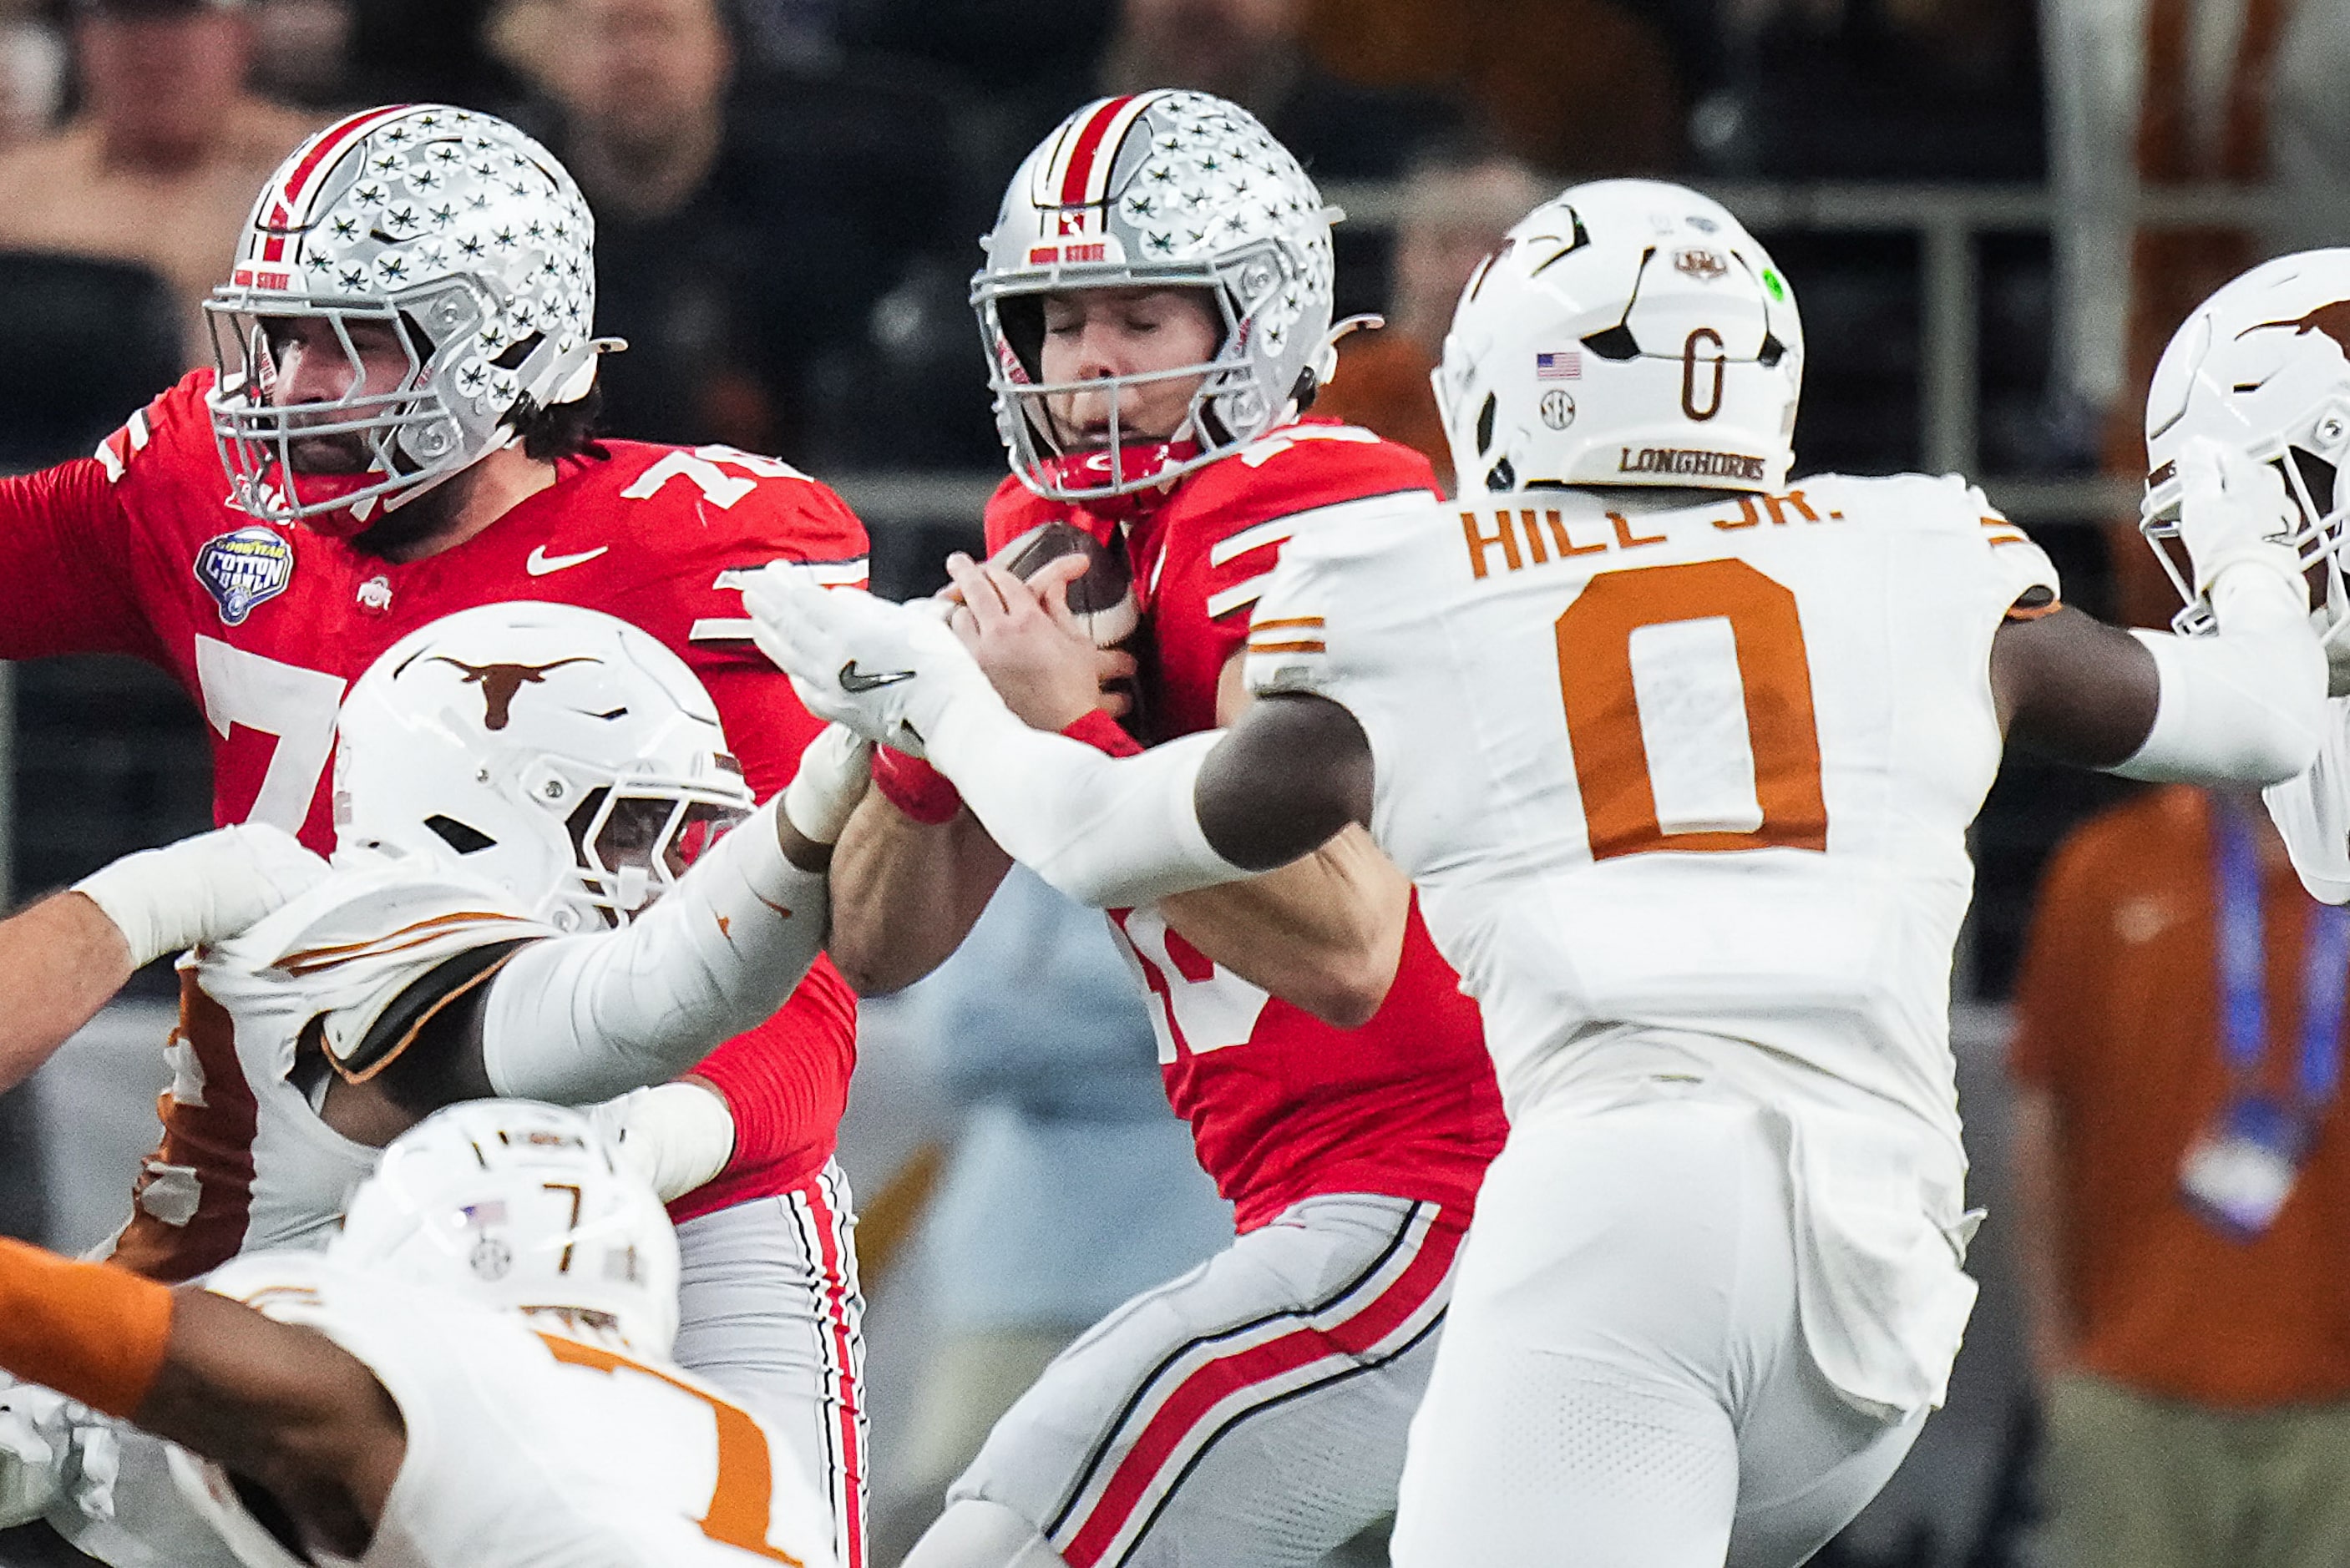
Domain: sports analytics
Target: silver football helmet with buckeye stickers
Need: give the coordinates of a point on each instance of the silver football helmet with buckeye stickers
(1627, 332)
(2263, 366)
(463, 236)
(1161, 189)
(557, 751)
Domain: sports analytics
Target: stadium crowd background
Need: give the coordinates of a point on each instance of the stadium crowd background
(1992, 211)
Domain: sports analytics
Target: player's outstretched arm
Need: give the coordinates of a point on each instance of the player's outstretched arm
(909, 880)
(67, 956)
(1324, 933)
(2247, 703)
(283, 1406)
(583, 1018)
(1107, 831)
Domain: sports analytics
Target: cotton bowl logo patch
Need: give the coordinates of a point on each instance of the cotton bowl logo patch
(243, 569)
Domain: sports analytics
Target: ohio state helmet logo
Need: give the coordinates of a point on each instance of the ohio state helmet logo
(499, 682)
(2333, 319)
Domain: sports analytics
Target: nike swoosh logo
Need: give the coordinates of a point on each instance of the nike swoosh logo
(541, 563)
(853, 680)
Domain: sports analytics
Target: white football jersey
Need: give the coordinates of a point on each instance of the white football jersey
(2312, 812)
(245, 1162)
(1704, 768)
(529, 1450)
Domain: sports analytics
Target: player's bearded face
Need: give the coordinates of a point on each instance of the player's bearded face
(1094, 333)
(313, 364)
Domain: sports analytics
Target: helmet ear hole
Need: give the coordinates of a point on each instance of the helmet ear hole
(1485, 425)
(1772, 351)
(462, 837)
(1502, 476)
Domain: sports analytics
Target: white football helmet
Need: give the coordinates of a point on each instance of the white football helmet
(2263, 366)
(464, 236)
(1162, 189)
(1627, 332)
(524, 1206)
(556, 751)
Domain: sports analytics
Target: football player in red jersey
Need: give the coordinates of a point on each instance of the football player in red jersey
(1157, 303)
(401, 409)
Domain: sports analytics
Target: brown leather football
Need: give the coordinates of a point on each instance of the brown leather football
(1103, 599)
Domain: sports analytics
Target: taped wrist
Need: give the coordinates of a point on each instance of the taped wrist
(2248, 704)
(676, 1136)
(584, 1018)
(90, 1331)
(1109, 832)
(917, 789)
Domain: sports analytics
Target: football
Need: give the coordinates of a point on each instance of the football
(1103, 599)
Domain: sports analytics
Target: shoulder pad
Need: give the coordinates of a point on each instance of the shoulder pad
(1301, 468)
(359, 941)
(1014, 509)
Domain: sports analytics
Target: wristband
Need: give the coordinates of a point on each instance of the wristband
(1103, 733)
(918, 790)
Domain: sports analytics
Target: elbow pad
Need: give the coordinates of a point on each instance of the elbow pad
(2248, 704)
(587, 1017)
(1111, 831)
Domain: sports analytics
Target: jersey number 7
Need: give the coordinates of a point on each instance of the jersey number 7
(739, 1503)
(1650, 661)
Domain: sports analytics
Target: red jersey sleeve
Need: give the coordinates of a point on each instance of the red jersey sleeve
(66, 552)
(1207, 554)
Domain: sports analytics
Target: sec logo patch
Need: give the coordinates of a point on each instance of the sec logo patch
(240, 570)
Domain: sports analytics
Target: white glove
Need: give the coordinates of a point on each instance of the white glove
(2234, 511)
(53, 1452)
(885, 671)
(834, 773)
(201, 889)
(676, 1136)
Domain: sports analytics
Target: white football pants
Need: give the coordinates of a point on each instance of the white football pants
(1623, 1382)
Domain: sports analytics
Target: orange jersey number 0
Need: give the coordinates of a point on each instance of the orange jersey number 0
(1603, 711)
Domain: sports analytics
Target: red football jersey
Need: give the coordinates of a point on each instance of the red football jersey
(1282, 1105)
(139, 551)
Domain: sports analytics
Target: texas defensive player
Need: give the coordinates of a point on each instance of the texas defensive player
(1683, 761)
(398, 428)
(476, 1375)
(1156, 303)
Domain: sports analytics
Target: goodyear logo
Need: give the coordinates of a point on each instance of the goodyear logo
(240, 570)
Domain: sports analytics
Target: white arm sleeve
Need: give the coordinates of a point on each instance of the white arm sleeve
(2248, 704)
(2312, 811)
(1112, 832)
(581, 1018)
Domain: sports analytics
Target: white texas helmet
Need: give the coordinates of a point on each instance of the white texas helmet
(464, 236)
(1170, 189)
(2263, 366)
(524, 1206)
(1627, 332)
(558, 751)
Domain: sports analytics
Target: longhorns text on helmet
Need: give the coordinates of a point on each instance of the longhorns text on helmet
(461, 233)
(557, 751)
(2263, 366)
(1169, 189)
(1627, 332)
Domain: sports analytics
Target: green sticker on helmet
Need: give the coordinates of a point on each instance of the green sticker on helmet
(1771, 281)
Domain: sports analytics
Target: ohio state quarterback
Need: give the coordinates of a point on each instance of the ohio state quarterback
(1681, 761)
(398, 428)
(1156, 303)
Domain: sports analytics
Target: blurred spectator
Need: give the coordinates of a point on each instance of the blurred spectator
(2150, 93)
(1580, 87)
(747, 221)
(302, 50)
(32, 79)
(428, 51)
(1253, 52)
(2184, 1188)
(1071, 1187)
(1456, 208)
(163, 162)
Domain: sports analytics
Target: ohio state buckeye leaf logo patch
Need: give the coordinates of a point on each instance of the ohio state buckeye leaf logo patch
(245, 568)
